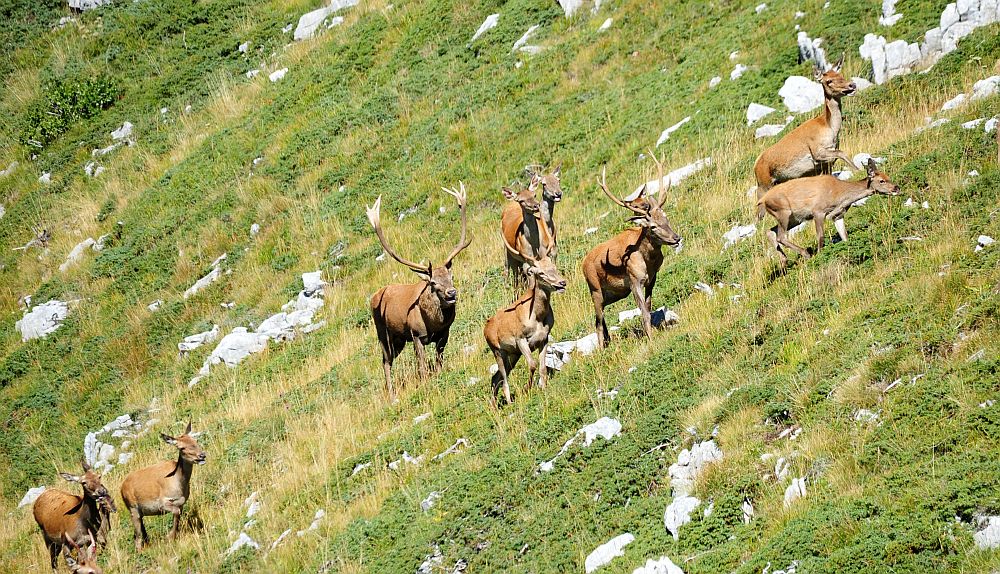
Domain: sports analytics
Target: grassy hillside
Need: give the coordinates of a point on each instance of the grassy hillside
(394, 102)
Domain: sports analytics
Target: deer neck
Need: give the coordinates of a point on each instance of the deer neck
(832, 114)
(647, 246)
(548, 207)
(852, 191)
(182, 472)
(430, 305)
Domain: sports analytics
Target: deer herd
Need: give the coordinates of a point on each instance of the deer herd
(794, 184)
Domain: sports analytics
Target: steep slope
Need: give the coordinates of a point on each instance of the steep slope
(396, 101)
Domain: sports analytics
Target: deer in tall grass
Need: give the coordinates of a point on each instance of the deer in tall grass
(420, 312)
(527, 223)
(813, 147)
(163, 488)
(817, 198)
(86, 559)
(523, 327)
(69, 517)
(629, 262)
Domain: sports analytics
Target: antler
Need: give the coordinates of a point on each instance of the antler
(461, 197)
(92, 548)
(602, 182)
(659, 179)
(510, 248)
(375, 220)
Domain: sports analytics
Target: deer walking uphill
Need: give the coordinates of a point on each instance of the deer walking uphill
(524, 327)
(629, 262)
(812, 148)
(420, 312)
(527, 223)
(70, 520)
(817, 198)
(163, 488)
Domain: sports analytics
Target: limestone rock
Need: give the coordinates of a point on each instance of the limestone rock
(757, 111)
(607, 552)
(800, 94)
(488, 24)
(42, 320)
(76, 254)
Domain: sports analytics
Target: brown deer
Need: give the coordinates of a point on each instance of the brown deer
(527, 223)
(420, 312)
(86, 560)
(551, 195)
(61, 515)
(811, 148)
(629, 262)
(817, 198)
(523, 328)
(164, 487)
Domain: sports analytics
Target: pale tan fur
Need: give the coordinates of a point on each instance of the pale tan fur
(813, 147)
(420, 312)
(817, 198)
(527, 223)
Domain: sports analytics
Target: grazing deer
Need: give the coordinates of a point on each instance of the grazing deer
(817, 198)
(811, 148)
(86, 560)
(524, 327)
(163, 487)
(629, 262)
(62, 515)
(420, 312)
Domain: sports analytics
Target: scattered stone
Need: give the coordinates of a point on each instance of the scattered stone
(861, 83)
(760, 8)
(313, 283)
(459, 445)
(932, 124)
(795, 491)
(310, 22)
(31, 496)
(101, 242)
(252, 73)
(232, 349)
(800, 94)
(408, 459)
(75, 254)
(523, 40)
(277, 74)
(571, 7)
(661, 566)
(243, 540)
(208, 279)
(421, 418)
(488, 24)
(985, 88)
(736, 233)
(92, 169)
(9, 169)
(889, 16)
(359, 467)
(45, 178)
(433, 562)
(983, 242)
(605, 427)
(429, 502)
(991, 125)
(690, 463)
(715, 81)
(606, 25)
(987, 404)
(155, 305)
(192, 342)
(254, 229)
(607, 552)
(314, 525)
(83, 5)
(665, 135)
(678, 513)
(704, 288)
(42, 320)
(252, 505)
(590, 231)
(123, 133)
(738, 71)
(243, 49)
(771, 130)
(757, 111)
(953, 103)
(989, 536)
(747, 508)
(280, 539)
(810, 50)
(674, 178)
(866, 416)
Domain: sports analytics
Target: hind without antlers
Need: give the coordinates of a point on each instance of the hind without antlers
(421, 312)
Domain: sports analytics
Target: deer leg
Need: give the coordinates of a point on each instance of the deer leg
(543, 375)
(177, 522)
(138, 527)
(841, 228)
(387, 357)
(600, 327)
(772, 236)
(54, 549)
(418, 347)
(638, 290)
(522, 345)
(820, 231)
(832, 155)
(439, 358)
(784, 224)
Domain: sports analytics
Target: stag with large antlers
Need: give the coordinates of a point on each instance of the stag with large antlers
(61, 515)
(812, 148)
(629, 262)
(523, 328)
(420, 312)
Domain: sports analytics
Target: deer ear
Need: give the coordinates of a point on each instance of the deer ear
(73, 565)
(871, 167)
(84, 464)
(69, 477)
(423, 275)
(168, 439)
(557, 170)
(509, 193)
(188, 429)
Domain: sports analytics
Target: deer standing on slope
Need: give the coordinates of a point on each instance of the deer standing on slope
(551, 195)
(163, 487)
(817, 198)
(524, 327)
(420, 312)
(61, 515)
(629, 262)
(527, 223)
(813, 147)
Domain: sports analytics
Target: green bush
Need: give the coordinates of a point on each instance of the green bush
(63, 102)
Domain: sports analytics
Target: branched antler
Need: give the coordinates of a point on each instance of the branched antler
(462, 199)
(375, 219)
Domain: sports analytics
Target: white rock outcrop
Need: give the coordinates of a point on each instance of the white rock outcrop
(605, 427)
(665, 135)
(771, 130)
(84, 5)
(795, 491)
(42, 320)
(662, 565)
(678, 513)
(889, 16)
(488, 24)
(277, 75)
(76, 254)
(755, 112)
(192, 342)
(310, 22)
(243, 541)
(31, 496)
(737, 233)
(690, 463)
(211, 277)
(605, 553)
(810, 50)
(800, 94)
(672, 179)
(523, 40)
(989, 535)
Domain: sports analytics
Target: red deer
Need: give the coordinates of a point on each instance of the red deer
(527, 223)
(524, 327)
(811, 148)
(420, 312)
(62, 515)
(163, 487)
(629, 262)
(551, 195)
(86, 560)
(817, 198)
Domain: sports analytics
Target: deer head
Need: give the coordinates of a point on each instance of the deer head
(86, 560)
(541, 268)
(439, 280)
(879, 181)
(189, 448)
(648, 213)
(549, 182)
(834, 84)
(91, 483)
(525, 198)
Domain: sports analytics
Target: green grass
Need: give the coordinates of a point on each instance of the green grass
(394, 103)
